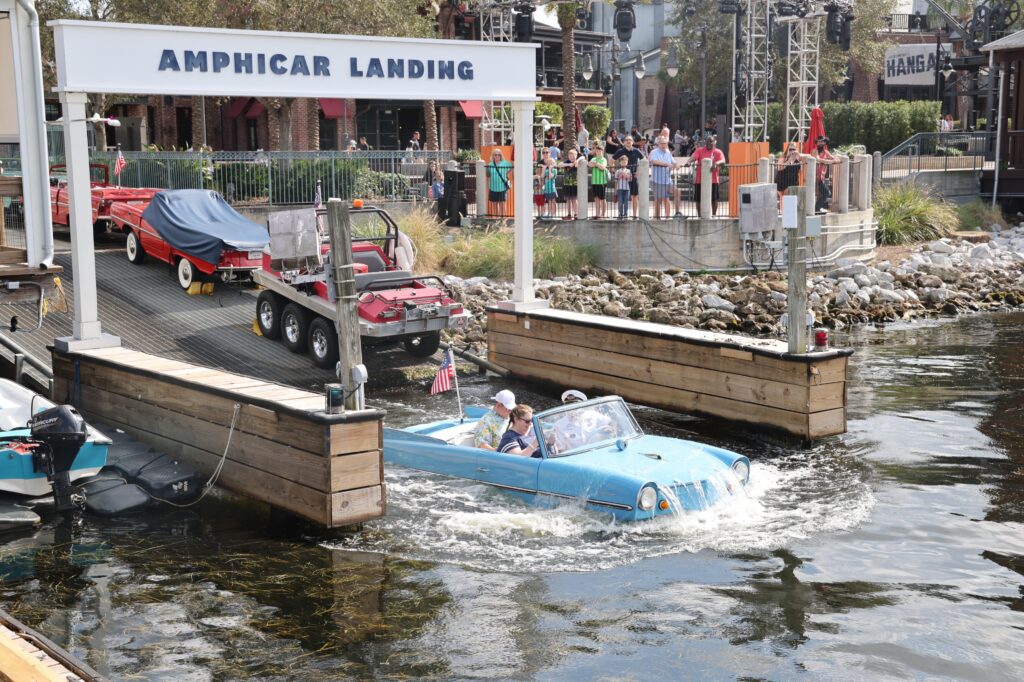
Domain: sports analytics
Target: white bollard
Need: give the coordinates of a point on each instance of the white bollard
(482, 187)
(643, 183)
(582, 186)
(764, 169)
(810, 181)
(867, 171)
(841, 184)
(705, 188)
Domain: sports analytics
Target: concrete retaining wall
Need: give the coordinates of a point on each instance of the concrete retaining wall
(959, 186)
(696, 244)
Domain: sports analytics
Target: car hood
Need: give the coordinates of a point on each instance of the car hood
(667, 461)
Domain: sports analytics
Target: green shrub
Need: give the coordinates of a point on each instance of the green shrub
(554, 111)
(879, 126)
(597, 120)
(467, 155)
(241, 181)
(980, 215)
(909, 213)
(294, 181)
(371, 184)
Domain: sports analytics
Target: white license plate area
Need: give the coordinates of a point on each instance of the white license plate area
(255, 255)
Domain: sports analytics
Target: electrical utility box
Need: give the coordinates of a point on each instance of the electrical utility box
(759, 207)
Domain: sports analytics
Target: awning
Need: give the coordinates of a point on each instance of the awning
(472, 108)
(234, 110)
(255, 111)
(333, 108)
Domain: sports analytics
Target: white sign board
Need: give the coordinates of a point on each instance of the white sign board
(911, 64)
(174, 60)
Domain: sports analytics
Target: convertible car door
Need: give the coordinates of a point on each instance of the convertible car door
(514, 472)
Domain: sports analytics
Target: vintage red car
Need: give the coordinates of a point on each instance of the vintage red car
(194, 230)
(103, 195)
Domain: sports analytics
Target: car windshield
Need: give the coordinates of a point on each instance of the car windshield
(575, 428)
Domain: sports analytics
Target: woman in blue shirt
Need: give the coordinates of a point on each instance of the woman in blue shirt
(520, 423)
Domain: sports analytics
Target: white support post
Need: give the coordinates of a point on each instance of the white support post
(28, 94)
(810, 181)
(864, 182)
(482, 189)
(764, 169)
(86, 328)
(582, 187)
(522, 137)
(841, 183)
(705, 188)
(643, 182)
(876, 166)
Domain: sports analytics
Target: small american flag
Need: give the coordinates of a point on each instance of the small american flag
(120, 164)
(443, 380)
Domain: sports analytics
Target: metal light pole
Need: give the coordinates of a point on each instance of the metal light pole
(703, 78)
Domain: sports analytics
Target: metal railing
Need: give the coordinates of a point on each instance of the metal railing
(268, 178)
(937, 152)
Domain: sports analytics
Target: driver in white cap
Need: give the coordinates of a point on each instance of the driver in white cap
(581, 426)
(493, 425)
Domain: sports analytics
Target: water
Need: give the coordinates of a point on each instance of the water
(893, 551)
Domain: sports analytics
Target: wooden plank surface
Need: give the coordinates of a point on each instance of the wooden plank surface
(20, 661)
(357, 506)
(665, 397)
(739, 387)
(668, 350)
(286, 429)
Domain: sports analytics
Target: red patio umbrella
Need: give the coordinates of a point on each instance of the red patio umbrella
(817, 129)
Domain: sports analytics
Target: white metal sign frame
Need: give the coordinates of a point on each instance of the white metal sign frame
(175, 60)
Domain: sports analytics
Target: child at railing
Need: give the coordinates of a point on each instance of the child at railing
(622, 179)
(548, 176)
(598, 180)
(437, 187)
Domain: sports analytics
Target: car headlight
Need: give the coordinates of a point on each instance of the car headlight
(742, 470)
(648, 498)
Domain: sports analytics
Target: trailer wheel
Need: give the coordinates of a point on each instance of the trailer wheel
(323, 343)
(99, 228)
(423, 346)
(294, 328)
(133, 248)
(268, 314)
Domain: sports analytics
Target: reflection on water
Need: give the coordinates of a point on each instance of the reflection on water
(893, 551)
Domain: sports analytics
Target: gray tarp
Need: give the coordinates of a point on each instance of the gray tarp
(200, 223)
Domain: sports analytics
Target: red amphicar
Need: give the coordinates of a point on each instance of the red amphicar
(103, 196)
(194, 230)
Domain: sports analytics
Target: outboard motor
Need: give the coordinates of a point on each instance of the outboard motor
(61, 433)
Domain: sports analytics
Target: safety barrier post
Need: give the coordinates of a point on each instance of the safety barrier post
(582, 186)
(643, 181)
(876, 166)
(810, 181)
(482, 189)
(705, 188)
(864, 188)
(764, 169)
(842, 185)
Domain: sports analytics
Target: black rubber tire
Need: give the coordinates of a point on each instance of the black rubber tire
(133, 247)
(99, 228)
(268, 314)
(295, 328)
(424, 345)
(323, 343)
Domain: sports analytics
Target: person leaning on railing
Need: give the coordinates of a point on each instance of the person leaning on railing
(787, 170)
(825, 159)
(499, 182)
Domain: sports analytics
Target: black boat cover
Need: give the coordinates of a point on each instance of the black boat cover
(200, 223)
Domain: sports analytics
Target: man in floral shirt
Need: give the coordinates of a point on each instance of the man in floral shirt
(492, 426)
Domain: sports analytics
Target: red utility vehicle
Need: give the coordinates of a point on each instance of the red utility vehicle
(103, 195)
(195, 231)
(297, 305)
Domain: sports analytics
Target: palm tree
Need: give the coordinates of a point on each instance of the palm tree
(446, 30)
(567, 22)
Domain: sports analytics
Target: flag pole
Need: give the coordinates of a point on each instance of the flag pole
(455, 374)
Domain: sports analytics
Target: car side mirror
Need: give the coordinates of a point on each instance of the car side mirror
(620, 444)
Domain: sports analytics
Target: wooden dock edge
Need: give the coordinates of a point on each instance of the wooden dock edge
(751, 381)
(285, 450)
(27, 655)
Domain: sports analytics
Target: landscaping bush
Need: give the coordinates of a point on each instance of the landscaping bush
(909, 213)
(241, 181)
(879, 126)
(467, 155)
(597, 120)
(294, 181)
(370, 184)
(980, 215)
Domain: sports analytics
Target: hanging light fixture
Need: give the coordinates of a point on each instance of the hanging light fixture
(588, 67)
(672, 66)
(639, 70)
(947, 67)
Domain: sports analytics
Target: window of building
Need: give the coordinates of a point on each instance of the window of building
(184, 124)
(252, 137)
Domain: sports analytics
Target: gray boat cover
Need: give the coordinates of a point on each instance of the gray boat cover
(200, 223)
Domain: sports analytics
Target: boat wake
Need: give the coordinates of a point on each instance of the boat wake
(433, 518)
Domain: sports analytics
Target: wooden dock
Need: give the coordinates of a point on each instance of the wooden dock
(754, 381)
(285, 450)
(27, 655)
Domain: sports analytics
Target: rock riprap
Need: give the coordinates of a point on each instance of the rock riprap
(944, 277)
